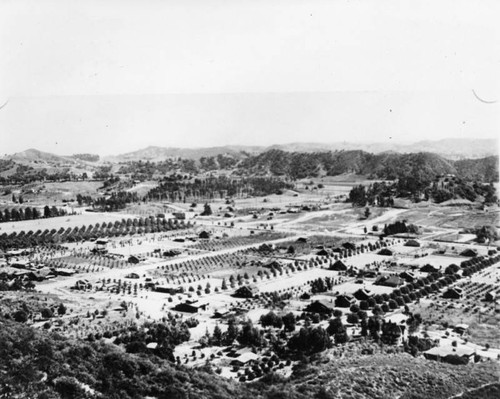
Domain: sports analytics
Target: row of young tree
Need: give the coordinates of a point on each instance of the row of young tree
(30, 213)
(124, 227)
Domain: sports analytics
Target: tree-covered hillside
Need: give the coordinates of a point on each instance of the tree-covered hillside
(484, 169)
(391, 166)
(39, 364)
(275, 162)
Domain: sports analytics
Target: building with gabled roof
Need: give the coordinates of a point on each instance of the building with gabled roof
(247, 291)
(191, 306)
(344, 301)
(362, 294)
(428, 268)
(320, 306)
(339, 266)
(389, 281)
(469, 252)
(453, 293)
(136, 259)
(385, 252)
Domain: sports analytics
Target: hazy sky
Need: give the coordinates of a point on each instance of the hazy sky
(114, 76)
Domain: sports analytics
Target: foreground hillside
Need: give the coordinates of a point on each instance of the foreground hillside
(37, 364)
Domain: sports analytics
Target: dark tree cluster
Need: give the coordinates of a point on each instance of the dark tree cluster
(30, 213)
(216, 187)
(400, 227)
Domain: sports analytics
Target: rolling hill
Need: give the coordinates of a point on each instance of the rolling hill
(453, 149)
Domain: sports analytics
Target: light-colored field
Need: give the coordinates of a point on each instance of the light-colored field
(54, 193)
(451, 217)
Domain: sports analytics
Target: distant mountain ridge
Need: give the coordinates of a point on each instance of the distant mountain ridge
(449, 148)
(155, 153)
(453, 149)
(34, 155)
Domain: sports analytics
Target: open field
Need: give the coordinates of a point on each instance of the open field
(451, 218)
(53, 193)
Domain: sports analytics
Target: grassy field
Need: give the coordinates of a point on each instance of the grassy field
(452, 218)
(52, 193)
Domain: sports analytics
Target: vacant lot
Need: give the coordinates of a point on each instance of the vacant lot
(451, 217)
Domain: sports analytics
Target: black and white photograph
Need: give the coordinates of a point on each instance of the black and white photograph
(249, 199)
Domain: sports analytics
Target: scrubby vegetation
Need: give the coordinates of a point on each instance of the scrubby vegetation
(38, 364)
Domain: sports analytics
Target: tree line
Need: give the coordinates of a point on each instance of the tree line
(216, 187)
(30, 213)
(119, 228)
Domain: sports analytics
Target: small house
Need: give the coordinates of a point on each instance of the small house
(132, 275)
(41, 274)
(20, 263)
(362, 294)
(321, 306)
(339, 266)
(204, 235)
(461, 328)
(272, 264)
(171, 253)
(245, 358)
(490, 296)
(369, 274)
(222, 314)
(344, 301)
(247, 291)
(385, 252)
(469, 252)
(135, 259)
(82, 285)
(409, 277)
(64, 272)
(453, 293)
(168, 289)
(440, 353)
(191, 306)
(428, 268)
(389, 281)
